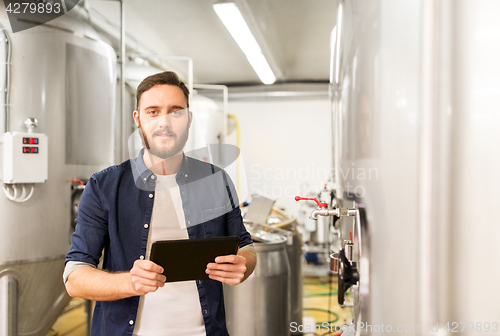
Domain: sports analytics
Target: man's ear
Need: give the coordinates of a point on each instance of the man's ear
(136, 118)
(190, 118)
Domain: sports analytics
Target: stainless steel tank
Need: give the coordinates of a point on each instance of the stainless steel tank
(64, 76)
(260, 306)
(415, 88)
(284, 223)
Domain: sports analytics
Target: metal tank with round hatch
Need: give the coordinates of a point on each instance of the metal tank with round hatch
(61, 85)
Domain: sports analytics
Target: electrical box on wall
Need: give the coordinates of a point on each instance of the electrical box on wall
(25, 157)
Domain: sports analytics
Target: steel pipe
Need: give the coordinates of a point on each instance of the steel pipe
(225, 99)
(7, 80)
(8, 305)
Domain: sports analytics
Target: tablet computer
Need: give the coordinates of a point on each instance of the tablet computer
(187, 259)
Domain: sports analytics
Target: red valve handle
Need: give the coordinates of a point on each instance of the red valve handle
(321, 205)
(77, 181)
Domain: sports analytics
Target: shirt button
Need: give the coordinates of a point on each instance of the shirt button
(152, 177)
(150, 195)
(145, 179)
(186, 175)
(146, 226)
(131, 322)
(189, 222)
(141, 257)
(205, 311)
(199, 282)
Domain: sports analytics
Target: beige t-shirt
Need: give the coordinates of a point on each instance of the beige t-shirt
(175, 308)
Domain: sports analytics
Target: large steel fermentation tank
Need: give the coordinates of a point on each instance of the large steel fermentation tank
(260, 306)
(415, 88)
(64, 76)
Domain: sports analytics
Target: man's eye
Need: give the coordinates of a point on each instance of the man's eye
(152, 112)
(176, 112)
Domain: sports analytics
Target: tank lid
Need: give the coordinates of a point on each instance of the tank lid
(263, 236)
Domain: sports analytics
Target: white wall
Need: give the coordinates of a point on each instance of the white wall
(285, 148)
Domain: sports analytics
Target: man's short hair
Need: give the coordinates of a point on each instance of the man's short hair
(162, 78)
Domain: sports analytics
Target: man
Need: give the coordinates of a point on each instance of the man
(160, 195)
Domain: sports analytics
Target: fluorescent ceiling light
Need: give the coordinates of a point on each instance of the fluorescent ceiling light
(231, 17)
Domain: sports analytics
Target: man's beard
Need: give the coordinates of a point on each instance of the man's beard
(165, 153)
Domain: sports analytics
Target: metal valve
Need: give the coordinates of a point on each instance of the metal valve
(324, 211)
(321, 205)
(341, 263)
(347, 275)
(31, 124)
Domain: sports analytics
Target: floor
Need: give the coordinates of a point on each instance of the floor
(320, 303)
(72, 323)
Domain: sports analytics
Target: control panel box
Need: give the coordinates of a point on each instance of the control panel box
(25, 157)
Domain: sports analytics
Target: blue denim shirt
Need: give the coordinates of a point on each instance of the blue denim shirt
(117, 203)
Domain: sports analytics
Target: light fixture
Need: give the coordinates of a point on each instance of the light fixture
(231, 17)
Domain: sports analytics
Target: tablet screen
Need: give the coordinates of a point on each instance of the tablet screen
(187, 259)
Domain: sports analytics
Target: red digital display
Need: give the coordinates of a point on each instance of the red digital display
(30, 150)
(30, 141)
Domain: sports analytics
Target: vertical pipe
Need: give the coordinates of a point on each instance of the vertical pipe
(123, 56)
(331, 88)
(225, 99)
(429, 160)
(339, 192)
(190, 76)
(238, 144)
(338, 168)
(8, 305)
(7, 84)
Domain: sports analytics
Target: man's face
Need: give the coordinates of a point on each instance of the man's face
(164, 120)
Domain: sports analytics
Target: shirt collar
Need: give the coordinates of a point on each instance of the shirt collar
(141, 171)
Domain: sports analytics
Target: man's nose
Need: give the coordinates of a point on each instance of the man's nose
(164, 121)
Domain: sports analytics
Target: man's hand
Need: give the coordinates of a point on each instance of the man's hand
(229, 269)
(146, 277)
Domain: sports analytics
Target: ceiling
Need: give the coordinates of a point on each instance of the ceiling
(294, 36)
